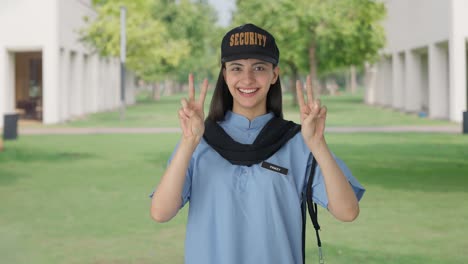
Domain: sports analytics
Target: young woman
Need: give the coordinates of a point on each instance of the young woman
(244, 169)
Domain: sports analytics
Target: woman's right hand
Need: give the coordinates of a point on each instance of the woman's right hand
(191, 114)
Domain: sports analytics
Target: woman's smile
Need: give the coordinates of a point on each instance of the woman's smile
(248, 92)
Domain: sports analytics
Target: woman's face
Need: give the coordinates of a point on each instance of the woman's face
(249, 81)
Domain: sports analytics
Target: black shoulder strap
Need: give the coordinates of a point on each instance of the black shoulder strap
(313, 213)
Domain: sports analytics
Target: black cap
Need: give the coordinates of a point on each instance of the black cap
(249, 41)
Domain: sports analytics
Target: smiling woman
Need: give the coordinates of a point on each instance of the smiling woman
(249, 82)
(245, 170)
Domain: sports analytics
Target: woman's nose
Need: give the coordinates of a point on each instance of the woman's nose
(248, 76)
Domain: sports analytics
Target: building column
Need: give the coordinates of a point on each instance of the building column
(94, 82)
(102, 85)
(64, 71)
(7, 84)
(51, 84)
(105, 83)
(78, 84)
(3, 83)
(387, 88)
(380, 82)
(86, 84)
(412, 87)
(72, 85)
(398, 80)
(129, 88)
(457, 61)
(116, 83)
(370, 83)
(438, 81)
(424, 81)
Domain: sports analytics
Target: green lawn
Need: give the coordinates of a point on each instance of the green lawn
(84, 199)
(345, 110)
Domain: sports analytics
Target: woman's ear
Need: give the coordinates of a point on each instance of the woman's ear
(276, 72)
(224, 73)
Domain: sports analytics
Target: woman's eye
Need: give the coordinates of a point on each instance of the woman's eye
(259, 68)
(235, 69)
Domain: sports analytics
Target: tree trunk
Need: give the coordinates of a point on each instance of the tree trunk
(313, 68)
(168, 88)
(353, 80)
(156, 91)
(292, 84)
(348, 81)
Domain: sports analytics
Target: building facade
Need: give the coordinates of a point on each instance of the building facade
(46, 73)
(423, 68)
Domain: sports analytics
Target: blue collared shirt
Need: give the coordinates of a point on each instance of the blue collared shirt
(249, 214)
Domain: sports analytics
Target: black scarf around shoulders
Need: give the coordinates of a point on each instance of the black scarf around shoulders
(270, 139)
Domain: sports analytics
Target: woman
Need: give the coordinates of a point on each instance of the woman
(244, 170)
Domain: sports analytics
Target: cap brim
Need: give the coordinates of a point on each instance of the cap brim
(249, 56)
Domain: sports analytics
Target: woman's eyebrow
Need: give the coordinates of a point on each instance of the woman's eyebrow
(236, 64)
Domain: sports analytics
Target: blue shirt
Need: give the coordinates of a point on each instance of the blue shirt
(249, 214)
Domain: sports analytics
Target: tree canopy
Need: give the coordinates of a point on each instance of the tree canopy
(164, 37)
(169, 38)
(316, 36)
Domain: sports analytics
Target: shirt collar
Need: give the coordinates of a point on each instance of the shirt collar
(242, 122)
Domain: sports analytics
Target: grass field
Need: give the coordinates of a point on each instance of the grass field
(346, 110)
(84, 198)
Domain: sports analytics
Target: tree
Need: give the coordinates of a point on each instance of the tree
(150, 50)
(327, 34)
(166, 39)
(195, 23)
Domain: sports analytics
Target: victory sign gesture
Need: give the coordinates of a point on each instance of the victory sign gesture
(191, 114)
(313, 115)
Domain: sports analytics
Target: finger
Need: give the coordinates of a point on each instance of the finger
(184, 103)
(317, 104)
(203, 92)
(300, 95)
(191, 87)
(185, 107)
(315, 107)
(183, 121)
(188, 112)
(309, 119)
(182, 114)
(310, 95)
(323, 112)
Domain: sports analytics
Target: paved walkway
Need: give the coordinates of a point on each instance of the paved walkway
(116, 130)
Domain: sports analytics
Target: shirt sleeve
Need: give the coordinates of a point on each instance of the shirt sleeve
(319, 192)
(188, 180)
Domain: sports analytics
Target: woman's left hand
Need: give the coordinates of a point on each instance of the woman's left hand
(313, 116)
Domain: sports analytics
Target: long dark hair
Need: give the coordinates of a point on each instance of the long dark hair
(222, 99)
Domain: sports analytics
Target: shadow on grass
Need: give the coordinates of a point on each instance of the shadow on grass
(19, 156)
(39, 155)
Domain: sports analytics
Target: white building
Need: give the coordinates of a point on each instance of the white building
(46, 74)
(424, 65)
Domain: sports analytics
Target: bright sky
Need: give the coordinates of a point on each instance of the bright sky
(224, 8)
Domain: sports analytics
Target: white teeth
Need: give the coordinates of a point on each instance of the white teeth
(248, 90)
